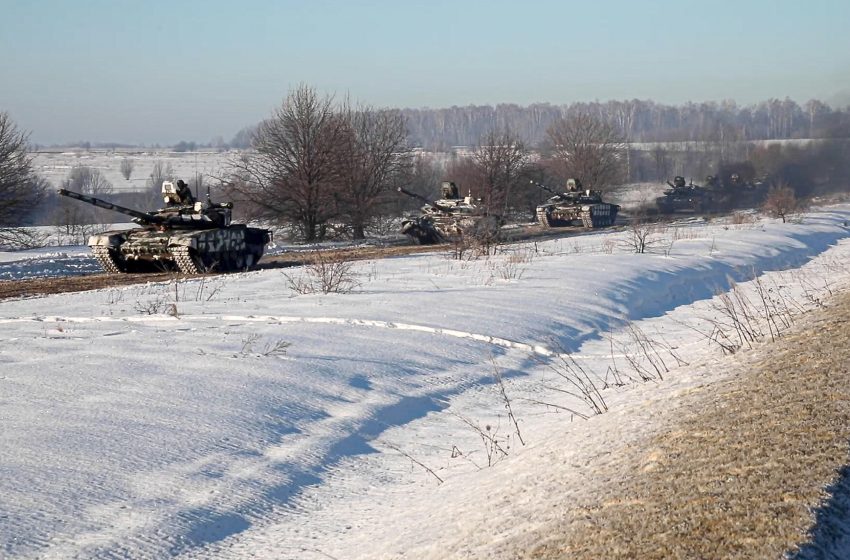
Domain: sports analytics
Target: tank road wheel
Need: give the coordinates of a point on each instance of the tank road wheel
(187, 261)
(108, 259)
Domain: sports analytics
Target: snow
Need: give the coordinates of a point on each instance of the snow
(55, 166)
(229, 417)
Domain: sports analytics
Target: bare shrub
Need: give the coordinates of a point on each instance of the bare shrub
(742, 218)
(643, 235)
(325, 274)
(154, 306)
(512, 265)
(478, 240)
(780, 201)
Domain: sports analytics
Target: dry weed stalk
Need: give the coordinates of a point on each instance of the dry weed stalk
(495, 445)
(497, 374)
(580, 382)
(415, 461)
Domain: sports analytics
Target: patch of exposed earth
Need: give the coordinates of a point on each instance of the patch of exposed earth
(737, 469)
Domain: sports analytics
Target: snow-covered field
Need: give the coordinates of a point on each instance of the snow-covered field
(56, 166)
(230, 417)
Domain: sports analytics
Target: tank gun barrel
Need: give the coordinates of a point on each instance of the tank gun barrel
(142, 217)
(417, 196)
(544, 187)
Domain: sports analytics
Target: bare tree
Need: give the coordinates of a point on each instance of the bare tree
(423, 177)
(20, 189)
(780, 201)
(127, 166)
(586, 148)
(502, 158)
(87, 180)
(293, 173)
(71, 214)
(373, 159)
(161, 172)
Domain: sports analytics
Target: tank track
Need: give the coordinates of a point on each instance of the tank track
(186, 263)
(543, 218)
(106, 259)
(589, 220)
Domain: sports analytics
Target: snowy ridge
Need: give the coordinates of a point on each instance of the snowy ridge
(137, 434)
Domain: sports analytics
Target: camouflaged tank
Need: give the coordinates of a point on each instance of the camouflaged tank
(575, 205)
(689, 198)
(189, 236)
(746, 194)
(450, 217)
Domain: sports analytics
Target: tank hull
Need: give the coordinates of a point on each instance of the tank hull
(696, 202)
(588, 215)
(434, 229)
(236, 247)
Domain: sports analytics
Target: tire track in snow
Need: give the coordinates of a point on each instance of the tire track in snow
(533, 348)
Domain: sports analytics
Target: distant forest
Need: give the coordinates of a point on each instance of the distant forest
(637, 121)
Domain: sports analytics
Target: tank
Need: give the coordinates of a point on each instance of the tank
(575, 205)
(186, 235)
(449, 218)
(746, 193)
(689, 198)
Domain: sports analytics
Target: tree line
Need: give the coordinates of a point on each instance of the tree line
(636, 120)
(326, 167)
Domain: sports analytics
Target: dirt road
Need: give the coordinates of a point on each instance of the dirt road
(45, 286)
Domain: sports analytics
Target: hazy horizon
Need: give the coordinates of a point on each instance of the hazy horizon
(160, 72)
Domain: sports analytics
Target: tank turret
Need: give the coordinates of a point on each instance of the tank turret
(573, 205)
(679, 183)
(186, 235)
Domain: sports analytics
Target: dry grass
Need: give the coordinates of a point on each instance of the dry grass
(740, 468)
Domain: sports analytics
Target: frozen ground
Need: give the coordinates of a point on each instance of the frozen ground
(229, 417)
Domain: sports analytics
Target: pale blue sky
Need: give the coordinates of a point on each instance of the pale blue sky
(164, 70)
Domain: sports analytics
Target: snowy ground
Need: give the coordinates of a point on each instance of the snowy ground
(229, 417)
